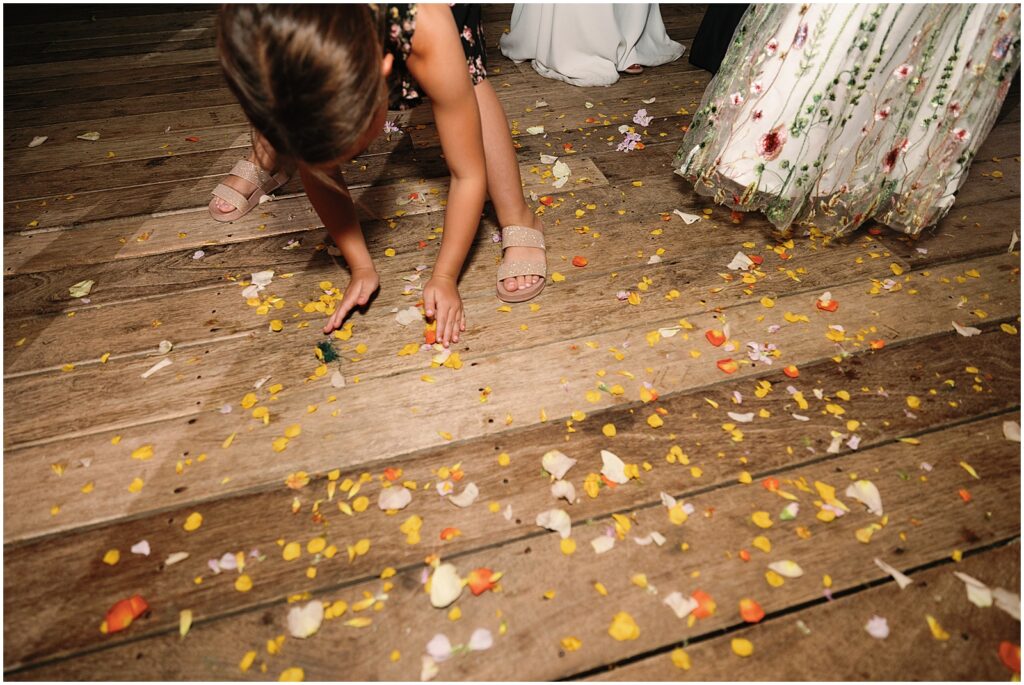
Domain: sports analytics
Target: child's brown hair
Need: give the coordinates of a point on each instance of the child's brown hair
(308, 77)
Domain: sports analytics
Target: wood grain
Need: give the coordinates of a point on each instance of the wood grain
(366, 407)
(718, 530)
(837, 642)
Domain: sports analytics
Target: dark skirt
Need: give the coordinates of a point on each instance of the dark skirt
(714, 35)
(400, 25)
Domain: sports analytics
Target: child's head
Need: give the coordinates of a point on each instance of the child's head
(310, 78)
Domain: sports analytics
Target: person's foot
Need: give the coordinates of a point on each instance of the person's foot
(524, 254)
(238, 183)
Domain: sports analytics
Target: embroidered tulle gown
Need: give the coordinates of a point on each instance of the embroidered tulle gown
(826, 116)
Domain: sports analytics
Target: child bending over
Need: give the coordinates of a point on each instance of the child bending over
(316, 82)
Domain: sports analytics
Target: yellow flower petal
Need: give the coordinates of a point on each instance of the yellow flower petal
(623, 627)
(681, 659)
(742, 647)
(194, 520)
(292, 675)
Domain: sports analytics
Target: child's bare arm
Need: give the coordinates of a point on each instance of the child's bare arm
(339, 217)
(438, 63)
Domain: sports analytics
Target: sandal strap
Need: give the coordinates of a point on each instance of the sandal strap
(521, 236)
(231, 196)
(512, 269)
(260, 178)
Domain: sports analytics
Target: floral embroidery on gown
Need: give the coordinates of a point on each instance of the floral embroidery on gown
(826, 116)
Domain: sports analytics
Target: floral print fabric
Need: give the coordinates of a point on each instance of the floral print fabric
(400, 25)
(826, 116)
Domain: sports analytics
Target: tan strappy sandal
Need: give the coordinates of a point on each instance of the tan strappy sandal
(521, 236)
(265, 183)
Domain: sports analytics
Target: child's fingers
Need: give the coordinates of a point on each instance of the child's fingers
(443, 326)
(332, 322)
(449, 326)
(344, 308)
(429, 303)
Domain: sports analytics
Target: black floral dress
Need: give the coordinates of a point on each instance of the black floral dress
(400, 24)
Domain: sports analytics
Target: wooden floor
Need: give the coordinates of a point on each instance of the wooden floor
(99, 459)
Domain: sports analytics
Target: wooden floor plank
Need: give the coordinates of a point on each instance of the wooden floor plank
(140, 236)
(88, 66)
(920, 309)
(700, 436)
(835, 640)
(99, 22)
(613, 252)
(149, 104)
(116, 77)
(915, 536)
(202, 78)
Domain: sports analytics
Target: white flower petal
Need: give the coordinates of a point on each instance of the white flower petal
(548, 159)
(966, 331)
(429, 668)
(613, 468)
(156, 367)
(865, 492)
(440, 647)
(556, 520)
(409, 315)
(557, 464)
(877, 627)
(602, 543)
(39, 140)
(466, 497)
(682, 606)
(305, 621)
(741, 418)
(688, 218)
(445, 586)
(740, 261)
(901, 580)
(535, 130)
(563, 489)
(978, 593)
(263, 278)
(1011, 430)
(1007, 601)
(480, 640)
(786, 568)
(175, 558)
(394, 498)
(141, 547)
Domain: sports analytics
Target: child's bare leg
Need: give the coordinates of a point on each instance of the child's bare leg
(503, 182)
(262, 155)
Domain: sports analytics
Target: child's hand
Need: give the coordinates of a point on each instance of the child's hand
(363, 284)
(442, 303)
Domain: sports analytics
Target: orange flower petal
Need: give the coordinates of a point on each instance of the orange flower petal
(481, 580)
(1009, 654)
(751, 611)
(716, 338)
(705, 605)
(728, 365)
